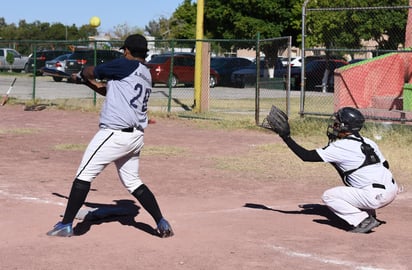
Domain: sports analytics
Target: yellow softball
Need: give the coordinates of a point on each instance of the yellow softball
(95, 21)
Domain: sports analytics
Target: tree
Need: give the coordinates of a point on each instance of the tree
(121, 31)
(159, 29)
(154, 29)
(182, 24)
(10, 59)
(235, 20)
(86, 31)
(8, 31)
(347, 28)
(58, 31)
(244, 19)
(43, 31)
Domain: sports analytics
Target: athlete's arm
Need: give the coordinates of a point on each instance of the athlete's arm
(116, 69)
(87, 74)
(302, 153)
(96, 86)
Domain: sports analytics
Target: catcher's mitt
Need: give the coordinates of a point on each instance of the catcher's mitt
(277, 121)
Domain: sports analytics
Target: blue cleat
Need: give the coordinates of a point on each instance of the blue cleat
(164, 229)
(62, 230)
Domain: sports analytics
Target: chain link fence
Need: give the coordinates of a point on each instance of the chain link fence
(351, 56)
(361, 62)
(239, 94)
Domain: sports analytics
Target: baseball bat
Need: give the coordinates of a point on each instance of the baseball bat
(6, 96)
(55, 73)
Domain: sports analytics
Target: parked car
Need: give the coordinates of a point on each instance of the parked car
(295, 61)
(311, 58)
(19, 60)
(83, 57)
(225, 66)
(354, 61)
(58, 63)
(247, 75)
(183, 70)
(41, 58)
(317, 76)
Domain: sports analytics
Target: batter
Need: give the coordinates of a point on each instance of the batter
(119, 139)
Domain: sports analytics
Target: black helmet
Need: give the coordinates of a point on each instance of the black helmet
(346, 119)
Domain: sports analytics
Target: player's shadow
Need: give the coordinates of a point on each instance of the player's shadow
(310, 209)
(122, 211)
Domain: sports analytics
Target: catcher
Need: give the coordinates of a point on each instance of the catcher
(369, 184)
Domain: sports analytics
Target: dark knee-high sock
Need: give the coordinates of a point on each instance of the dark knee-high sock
(77, 197)
(148, 201)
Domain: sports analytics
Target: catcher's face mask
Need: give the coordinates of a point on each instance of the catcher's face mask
(334, 128)
(345, 121)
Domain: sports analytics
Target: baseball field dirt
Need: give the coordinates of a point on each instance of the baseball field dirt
(225, 214)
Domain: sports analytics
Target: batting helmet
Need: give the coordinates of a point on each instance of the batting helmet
(346, 119)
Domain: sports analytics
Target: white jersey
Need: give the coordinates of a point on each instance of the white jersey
(122, 120)
(347, 155)
(129, 86)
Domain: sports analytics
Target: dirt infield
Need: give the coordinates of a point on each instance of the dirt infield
(223, 219)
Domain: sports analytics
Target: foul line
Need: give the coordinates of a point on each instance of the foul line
(313, 257)
(283, 250)
(26, 198)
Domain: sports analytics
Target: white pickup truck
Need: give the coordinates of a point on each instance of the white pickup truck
(19, 60)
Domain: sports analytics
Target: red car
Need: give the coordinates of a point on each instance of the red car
(183, 70)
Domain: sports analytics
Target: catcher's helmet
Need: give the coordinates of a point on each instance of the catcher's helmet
(346, 119)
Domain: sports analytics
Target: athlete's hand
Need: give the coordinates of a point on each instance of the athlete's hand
(277, 121)
(77, 78)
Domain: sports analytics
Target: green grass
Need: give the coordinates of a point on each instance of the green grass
(311, 134)
(70, 147)
(18, 131)
(309, 131)
(16, 74)
(163, 150)
(150, 150)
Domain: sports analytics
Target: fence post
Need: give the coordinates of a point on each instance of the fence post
(169, 85)
(198, 58)
(257, 88)
(302, 81)
(34, 72)
(205, 85)
(95, 63)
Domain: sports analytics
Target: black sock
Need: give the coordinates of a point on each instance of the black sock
(148, 201)
(77, 197)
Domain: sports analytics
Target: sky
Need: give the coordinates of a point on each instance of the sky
(134, 13)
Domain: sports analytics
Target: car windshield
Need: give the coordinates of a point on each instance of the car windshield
(253, 65)
(79, 54)
(314, 65)
(159, 59)
(217, 62)
(62, 57)
(322, 64)
(250, 66)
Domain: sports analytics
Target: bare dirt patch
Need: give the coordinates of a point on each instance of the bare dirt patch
(224, 217)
